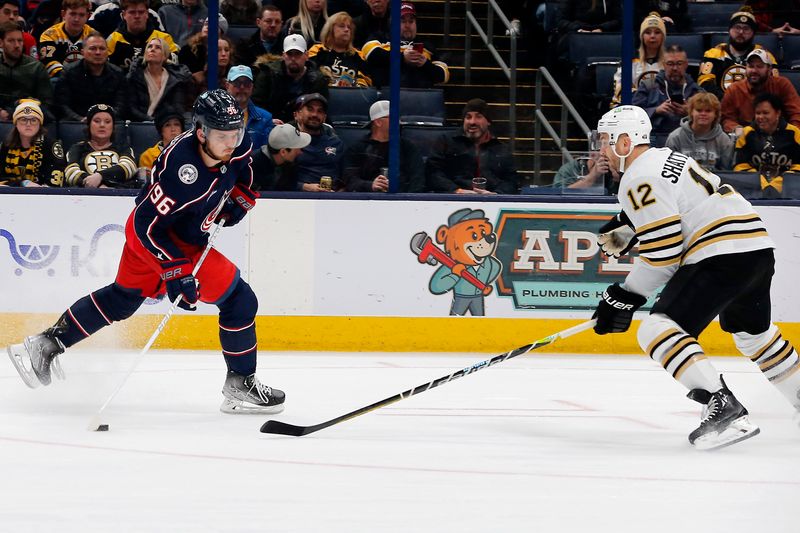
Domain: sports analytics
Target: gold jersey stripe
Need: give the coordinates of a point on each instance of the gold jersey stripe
(663, 243)
(699, 234)
(658, 224)
(666, 261)
(750, 234)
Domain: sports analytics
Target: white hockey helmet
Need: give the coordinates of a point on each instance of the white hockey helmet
(629, 119)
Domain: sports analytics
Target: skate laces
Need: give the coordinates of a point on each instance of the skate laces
(264, 392)
(715, 406)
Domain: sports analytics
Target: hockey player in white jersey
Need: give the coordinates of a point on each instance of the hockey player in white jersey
(710, 249)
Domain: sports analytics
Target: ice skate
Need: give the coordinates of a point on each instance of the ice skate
(724, 421)
(247, 395)
(37, 358)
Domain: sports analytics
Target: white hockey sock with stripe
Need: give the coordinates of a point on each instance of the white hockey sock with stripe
(678, 352)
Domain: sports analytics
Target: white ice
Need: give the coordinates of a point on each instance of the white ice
(536, 444)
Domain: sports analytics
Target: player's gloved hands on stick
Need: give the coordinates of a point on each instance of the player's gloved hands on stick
(241, 200)
(180, 282)
(616, 237)
(615, 311)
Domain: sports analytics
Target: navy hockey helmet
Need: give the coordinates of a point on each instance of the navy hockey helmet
(218, 110)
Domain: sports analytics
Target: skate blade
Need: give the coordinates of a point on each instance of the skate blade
(739, 430)
(27, 374)
(234, 407)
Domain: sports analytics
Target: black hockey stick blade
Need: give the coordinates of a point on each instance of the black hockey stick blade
(282, 428)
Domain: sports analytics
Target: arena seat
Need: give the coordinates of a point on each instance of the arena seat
(711, 16)
(142, 135)
(791, 51)
(592, 48)
(236, 33)
(604, 83)
(748, 184)
(350, 105)
(793, 76)
(5, 127)
(692, 43)
(426, 138)
(350, 133)
(421, 106)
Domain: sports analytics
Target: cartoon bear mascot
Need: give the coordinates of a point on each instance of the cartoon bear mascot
(469, 239)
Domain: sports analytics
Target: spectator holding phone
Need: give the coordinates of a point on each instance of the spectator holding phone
(420, 68)
(665, 101)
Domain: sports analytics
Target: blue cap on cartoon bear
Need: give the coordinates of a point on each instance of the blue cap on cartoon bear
(465, 214)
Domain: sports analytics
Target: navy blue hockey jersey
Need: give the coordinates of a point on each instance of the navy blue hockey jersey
(184, 196)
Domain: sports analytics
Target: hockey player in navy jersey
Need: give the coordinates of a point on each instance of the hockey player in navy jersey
(203, 176)
(711, 249)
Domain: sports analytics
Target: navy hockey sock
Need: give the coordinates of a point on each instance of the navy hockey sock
(237, 329)
(95, 311)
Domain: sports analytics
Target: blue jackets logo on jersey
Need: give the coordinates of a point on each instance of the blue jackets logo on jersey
(187, 174)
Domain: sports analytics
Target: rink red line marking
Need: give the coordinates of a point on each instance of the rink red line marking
(397, 468)
(523, 415)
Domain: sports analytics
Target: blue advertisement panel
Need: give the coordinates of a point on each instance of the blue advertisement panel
(551, 259)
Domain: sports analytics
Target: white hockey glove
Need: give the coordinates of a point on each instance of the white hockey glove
(617, 237)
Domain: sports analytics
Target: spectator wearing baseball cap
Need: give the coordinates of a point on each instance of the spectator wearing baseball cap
(323, 155)
(476, 152)
(737, 104)
(258, 121)
(420, 68)
(169, 123)
(273, 163)
(278, 84)
(366, 160)
(724, 64)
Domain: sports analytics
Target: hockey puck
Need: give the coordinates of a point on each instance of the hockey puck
(102, 427)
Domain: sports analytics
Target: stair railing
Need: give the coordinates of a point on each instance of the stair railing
(567, 109)
(487, 35)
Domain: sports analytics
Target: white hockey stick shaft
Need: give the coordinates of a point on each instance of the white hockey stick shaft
(96, 421)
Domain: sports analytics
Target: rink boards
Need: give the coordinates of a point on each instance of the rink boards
(340, 274)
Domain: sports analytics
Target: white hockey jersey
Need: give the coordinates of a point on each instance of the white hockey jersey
(683, 215)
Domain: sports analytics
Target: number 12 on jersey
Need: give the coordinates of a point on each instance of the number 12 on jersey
(642, 197)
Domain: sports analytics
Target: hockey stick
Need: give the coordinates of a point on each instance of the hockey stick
(96, 424)
(282, 428)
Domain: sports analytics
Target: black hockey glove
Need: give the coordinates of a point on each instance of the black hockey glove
(616, 237)
(241, 200)
(615, 311)
(180, 282)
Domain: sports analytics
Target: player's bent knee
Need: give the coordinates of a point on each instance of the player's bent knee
(652, 328)
(117, 302)
(240, 307)
(750, 345)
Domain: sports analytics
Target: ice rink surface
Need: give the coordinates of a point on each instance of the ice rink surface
(536, 444)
